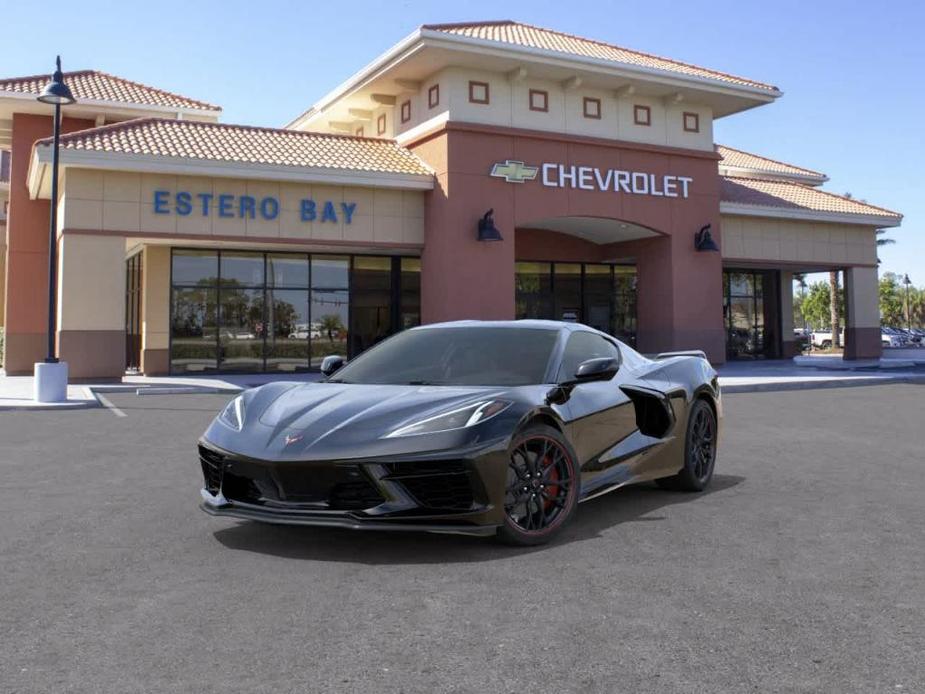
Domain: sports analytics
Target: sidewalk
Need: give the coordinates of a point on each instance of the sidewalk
(735, 377)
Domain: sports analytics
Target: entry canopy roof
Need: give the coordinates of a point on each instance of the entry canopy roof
(161, 145)
(506, 46)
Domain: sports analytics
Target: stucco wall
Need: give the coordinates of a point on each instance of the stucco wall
(113, 201)
(790, 241)
(509, 106)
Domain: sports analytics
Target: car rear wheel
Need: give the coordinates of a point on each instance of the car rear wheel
(542, 486)
(699, 451)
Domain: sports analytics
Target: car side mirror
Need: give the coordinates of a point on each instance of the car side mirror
(588, 371)
(599, 369)
(331, 363)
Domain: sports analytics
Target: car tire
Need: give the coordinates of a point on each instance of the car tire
(699, 451)
(826, 344)
(542, 486)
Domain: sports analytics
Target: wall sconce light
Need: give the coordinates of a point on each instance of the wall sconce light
(487, 229)
(703, 240)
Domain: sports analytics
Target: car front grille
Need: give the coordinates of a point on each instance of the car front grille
(440, 485)
(213, 464)
(300, 485)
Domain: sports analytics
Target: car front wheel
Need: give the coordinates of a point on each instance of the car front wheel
(542, 486)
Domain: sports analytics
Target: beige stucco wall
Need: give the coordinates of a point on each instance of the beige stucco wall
(509, 106)
(123, 202)
(91, 283)
(782, 240)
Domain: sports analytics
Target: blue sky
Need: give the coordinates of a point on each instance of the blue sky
(851, 71)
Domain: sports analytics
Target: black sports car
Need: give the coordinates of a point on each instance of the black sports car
(485, 428)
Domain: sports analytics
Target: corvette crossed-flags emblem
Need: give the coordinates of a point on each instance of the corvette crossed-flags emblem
(514, 171)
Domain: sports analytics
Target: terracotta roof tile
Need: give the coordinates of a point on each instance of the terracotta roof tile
(93, 85)
(794, 196)
(245, 144)
(736, 158)
(515, 33)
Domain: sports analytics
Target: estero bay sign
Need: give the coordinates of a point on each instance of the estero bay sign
(185, 203)
(594, 178)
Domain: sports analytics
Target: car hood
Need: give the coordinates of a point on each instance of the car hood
(339, 421)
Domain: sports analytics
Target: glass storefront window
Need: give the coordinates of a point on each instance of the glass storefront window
(330, 318)
(533, 283)
(289, 329)
(287, 270)
(410, 298)
(197, 268)
(330, 272)
(193, 329)
(566, 292)
(249, 311)
(370, 302)
(241, 329)
(241, 269)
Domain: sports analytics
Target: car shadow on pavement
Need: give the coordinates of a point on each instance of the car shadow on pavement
(626, 505)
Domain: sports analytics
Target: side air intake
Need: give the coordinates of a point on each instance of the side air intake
(654, 416)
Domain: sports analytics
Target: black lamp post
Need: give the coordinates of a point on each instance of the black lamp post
(907, 282)
(56, 92)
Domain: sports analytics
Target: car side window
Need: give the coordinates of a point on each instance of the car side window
(580, 347)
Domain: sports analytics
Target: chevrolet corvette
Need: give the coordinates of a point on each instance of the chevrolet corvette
(473, 427)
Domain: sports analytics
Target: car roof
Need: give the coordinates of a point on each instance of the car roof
(523, 323)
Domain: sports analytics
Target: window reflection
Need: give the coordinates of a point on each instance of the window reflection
(248, 311)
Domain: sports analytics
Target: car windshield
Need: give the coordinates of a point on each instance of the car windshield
(455, 356)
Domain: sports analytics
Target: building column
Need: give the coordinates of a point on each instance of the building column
(679, 301)
(91, 305)
(26, 315)
(862, 303)
(789, 345)
(462, 277)
(155, 311)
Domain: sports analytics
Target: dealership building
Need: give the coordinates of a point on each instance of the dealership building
(488, 170)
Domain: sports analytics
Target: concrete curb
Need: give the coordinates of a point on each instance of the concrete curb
(818, 385)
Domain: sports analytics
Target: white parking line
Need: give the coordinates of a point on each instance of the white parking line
(105, 402)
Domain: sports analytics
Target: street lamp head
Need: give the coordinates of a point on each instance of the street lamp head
(56, 91)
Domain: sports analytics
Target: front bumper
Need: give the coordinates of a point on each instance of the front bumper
(457, 492)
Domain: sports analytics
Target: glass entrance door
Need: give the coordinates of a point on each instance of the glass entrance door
(751, 312)
(596, 294)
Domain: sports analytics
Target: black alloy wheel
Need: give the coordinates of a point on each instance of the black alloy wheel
(542, 486)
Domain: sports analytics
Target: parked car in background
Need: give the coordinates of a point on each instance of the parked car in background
(889, 339)
(822, 339)
(804, 337)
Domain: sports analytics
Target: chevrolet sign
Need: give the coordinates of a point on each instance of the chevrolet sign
(594, 178)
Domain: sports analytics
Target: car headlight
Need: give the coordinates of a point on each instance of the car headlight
(233, 414)
(460, 418)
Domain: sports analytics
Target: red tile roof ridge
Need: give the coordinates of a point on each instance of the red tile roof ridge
(812, 189)
(206, 106)
(510, 22)
(773, 161)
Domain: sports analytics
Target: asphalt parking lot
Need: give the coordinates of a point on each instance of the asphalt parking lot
(802, 570)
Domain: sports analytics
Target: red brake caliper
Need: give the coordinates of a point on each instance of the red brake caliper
(552, 490)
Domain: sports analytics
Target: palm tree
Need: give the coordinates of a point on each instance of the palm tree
(833, 307)
(883, 241)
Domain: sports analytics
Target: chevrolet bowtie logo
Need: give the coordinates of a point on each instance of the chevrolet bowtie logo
(514, 171)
